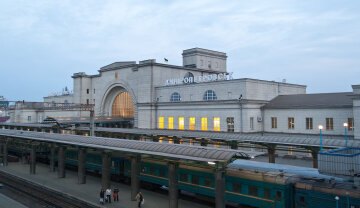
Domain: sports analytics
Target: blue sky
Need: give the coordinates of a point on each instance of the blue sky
(42, 43)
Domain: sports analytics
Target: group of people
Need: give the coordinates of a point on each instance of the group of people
(105, 195)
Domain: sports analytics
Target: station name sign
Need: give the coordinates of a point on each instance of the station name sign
(199, 79)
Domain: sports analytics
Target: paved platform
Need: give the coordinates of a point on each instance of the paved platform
(6, 202)
(90, 191)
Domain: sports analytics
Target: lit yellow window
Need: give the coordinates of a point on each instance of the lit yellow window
(181, 123)
(171, 123)
(216, 124)
(161, 122)
(204, 124)
(192, 123)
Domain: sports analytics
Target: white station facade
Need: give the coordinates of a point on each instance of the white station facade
(202, 95)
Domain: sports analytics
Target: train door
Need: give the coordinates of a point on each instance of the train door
(119, 167)
(301, 200)
(279, 199)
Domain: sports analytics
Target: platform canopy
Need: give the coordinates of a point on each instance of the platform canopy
(171, 151)
(291, 140)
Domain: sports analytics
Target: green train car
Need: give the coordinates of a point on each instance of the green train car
(255, 184)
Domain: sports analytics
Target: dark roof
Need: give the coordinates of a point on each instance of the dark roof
(178, 151)
(279, 139)
(321, 100)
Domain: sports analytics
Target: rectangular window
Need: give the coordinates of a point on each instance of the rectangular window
(204, 124)
(274, 122)
(192, 123)
(195, 179)
(278, 196)
(291, 122)
(207, 182)
(87, 91)
(252, 123)
(152, 171)
(183, 177)
(216, 123)
(267, 193)
(161, 122)
(350, 124)
(253, 190)
(162, 173)
(29, 118)
(181, 123)
(291, 150)
(230, 124)
(94, 90)
(309, 123)
(171, 123)
(236, 187)
(87, 101)
(329, 124)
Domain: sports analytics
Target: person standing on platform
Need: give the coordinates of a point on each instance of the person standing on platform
(102, 196)
(139, 198)
(108, 194)
(116, 194)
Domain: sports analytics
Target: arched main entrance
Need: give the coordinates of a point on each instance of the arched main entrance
(123, 106)
(119, 107)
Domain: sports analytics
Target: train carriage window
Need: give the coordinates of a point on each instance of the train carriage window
(278, 196)
(162, 173)
(207, 182)
(195, 179)
(143, 169)
(236, 187)
(267, 193)
(152, 171)
(253, 190)
(183, 177)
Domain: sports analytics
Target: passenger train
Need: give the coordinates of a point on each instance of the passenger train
(255, 184)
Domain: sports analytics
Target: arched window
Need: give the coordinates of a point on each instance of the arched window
(175, 97)
(188, 75)
(188, 78)
(210, 95)
(123, 106)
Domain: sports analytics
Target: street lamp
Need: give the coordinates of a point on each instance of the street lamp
(320, 128)
(337, 201)
(345, 125)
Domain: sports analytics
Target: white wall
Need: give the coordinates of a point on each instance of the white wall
(339, 115)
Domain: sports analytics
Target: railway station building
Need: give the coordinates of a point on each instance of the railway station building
(202, 95)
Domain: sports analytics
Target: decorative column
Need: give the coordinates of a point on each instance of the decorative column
(219, 186)
(234, 145)
(82, 166)
(106, 170)
(173, 185)
(314, 153)
(33, 160)
(271, 153)
(61, 162)
(135, 176)
(5, 153)
(52, 158)
(203, 142)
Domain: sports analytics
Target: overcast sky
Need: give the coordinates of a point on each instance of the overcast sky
(42, 43)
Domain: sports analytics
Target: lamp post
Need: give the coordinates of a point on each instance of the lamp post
(320, 128)
(337, 201)
(345, 125)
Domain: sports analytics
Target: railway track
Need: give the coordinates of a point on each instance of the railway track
(36, 195)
